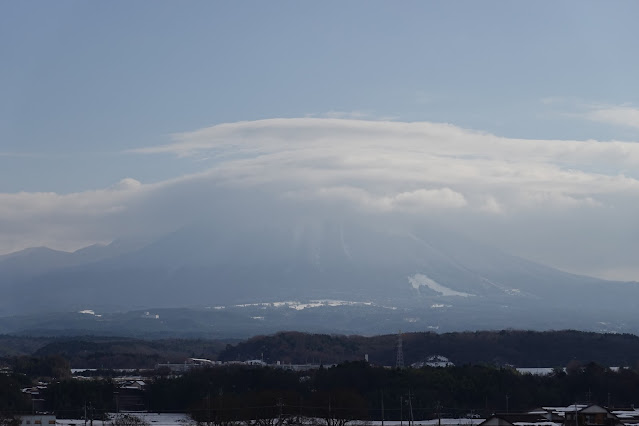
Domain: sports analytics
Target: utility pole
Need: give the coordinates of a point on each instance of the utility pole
(507, 397)
(301, 410)
(439, 415)
(383, 407)
(280, 405)
(410, 406)
(219, 416)
(208, 406)
(401, 411)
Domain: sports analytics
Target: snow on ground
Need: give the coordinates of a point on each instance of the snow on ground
(299, 306)
(544, 371)
(434, 422)
(535, 371)
(155, 419)
(319, 303)
(89, 312)
(180, 419)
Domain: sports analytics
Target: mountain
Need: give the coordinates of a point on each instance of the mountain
(411, 278)
(38, 260)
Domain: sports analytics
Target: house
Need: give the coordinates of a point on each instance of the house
(629, 416)
(37, 419)
(591, 415)
(130, 395)
(188, 365)
(518, 419)
(573, 415)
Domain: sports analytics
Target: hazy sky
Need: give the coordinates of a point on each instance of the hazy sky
(514, 122)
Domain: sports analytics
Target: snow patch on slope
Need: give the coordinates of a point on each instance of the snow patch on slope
(89, 312)
(299, 306)
(440, 306)
(421, 280)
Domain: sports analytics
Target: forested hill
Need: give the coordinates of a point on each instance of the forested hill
(107, 352)
(518, 348)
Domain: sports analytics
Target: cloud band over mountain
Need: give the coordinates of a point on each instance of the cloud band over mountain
(572, 204)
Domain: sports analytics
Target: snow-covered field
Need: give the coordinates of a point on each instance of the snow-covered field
(155, 419)
(434, 422)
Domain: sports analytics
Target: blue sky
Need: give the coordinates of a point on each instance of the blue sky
(83, 81)
(89, 90)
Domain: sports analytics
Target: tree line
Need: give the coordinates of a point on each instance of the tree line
(352, 390)
(359, 390)
(515, 347)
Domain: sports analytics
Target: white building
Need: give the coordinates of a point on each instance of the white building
(37, 419)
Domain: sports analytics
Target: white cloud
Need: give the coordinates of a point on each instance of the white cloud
(624, 115)
(615, 115)
(126, 184)
(528, 196)
(409, 201)
(379, 139)
(491, 205)
(422, 199)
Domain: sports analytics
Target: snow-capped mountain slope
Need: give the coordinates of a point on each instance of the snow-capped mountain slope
(209, 265)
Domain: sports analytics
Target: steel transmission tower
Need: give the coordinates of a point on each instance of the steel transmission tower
(400, 351)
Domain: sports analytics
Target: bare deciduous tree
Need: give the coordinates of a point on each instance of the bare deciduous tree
(129, 420)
